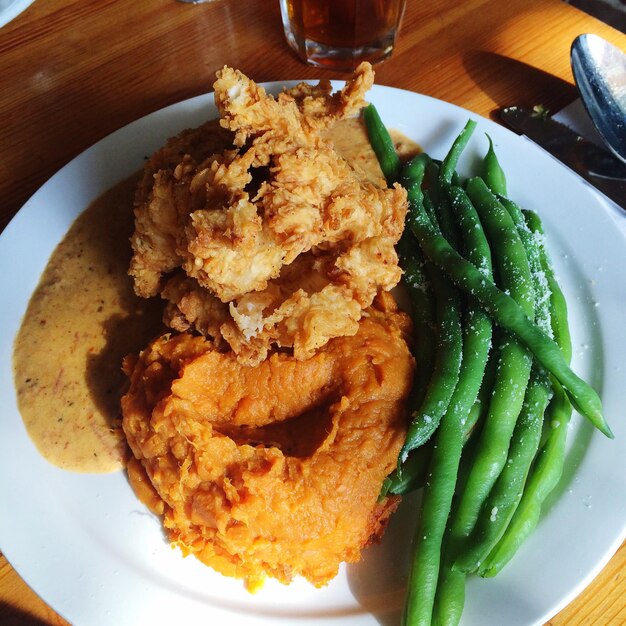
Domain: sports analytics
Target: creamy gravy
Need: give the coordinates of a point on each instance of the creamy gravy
(84, 318)
(350, 139)
(81, 321)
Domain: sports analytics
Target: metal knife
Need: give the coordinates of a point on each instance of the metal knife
(597, 166)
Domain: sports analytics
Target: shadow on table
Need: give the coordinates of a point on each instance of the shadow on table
(10, 616)
(612, 12)
(542, 88)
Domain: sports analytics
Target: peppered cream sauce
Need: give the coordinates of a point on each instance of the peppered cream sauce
(82, 319)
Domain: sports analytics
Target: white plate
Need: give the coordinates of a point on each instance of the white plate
(10, 9)
(90, 549)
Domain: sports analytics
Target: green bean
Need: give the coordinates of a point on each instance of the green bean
(449, 163)
(514, 364)
(418, 290)
(422, 312)
(445, 219)
(558, 305)
(382, 144)
(477, 325)
(440, 485)
(425, 419)
(506, 312)
(533, 249)
(410, 475)
(450, 595)
(438, 491)
(418, 284)
(416, 466)
(507, 491)
(546, 474)
(479, 410)
(413, 474)
(492, 173)
(505, 241)
(548, 466)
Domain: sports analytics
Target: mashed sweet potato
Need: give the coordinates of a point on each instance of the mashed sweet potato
(273, 470)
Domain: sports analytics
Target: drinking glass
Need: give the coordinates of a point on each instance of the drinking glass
(339, 34)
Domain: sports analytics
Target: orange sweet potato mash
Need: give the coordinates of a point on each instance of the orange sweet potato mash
(273, 470)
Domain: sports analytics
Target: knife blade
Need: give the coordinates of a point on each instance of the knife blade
(597, 166)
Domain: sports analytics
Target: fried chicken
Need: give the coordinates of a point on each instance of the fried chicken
(226, 217)
(273, 470)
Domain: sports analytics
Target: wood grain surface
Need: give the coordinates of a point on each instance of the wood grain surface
(73, 71)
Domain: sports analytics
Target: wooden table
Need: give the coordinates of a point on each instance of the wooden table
(73, 71)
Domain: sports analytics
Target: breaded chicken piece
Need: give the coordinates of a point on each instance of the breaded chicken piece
(232, 221)
(162, 206)
(273, 470)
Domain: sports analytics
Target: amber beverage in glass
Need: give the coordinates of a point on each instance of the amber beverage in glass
(339, 34)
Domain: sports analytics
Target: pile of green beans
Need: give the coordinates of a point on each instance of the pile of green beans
(493, 379)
